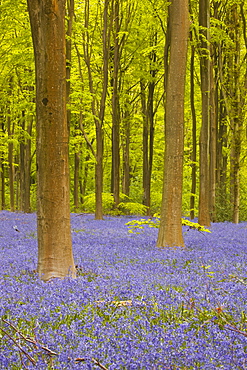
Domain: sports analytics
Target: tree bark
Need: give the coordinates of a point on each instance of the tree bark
(193, 114)
(204, 215)
(237, 116)
(126, 150)
(170, 232)
(98, 114)
(213, 140)
(25, 165)
(55, 258)
(11, 129)
(116, 106)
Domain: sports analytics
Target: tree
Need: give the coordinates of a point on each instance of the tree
(170, 232)
(204, 215)
(55, 258)
(98, 103)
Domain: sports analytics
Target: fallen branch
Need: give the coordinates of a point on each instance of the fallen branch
(19, 347)
(36, 345)
(96, 362)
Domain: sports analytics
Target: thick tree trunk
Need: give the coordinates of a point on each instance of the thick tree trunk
(70, 16)
(170, 232)
(55, 257)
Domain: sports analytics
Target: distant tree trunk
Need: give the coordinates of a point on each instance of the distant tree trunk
(221, 151)
(11, 129)
(25, 165)
(98, 114)
(55, 259)
(236, 127)
(222, 142)
(2, 169)
(115, 105)
(213, 140)
(170, 231)
(193, 114)
(145, 156)
(76, 180)
(148, 113)
(2, 185)
(126, 151)
(204, 215)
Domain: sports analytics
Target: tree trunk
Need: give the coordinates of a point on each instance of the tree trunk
(11, 129)
(234, 69)
(116, 106)
(145, 136)
(213, 140)
(170, 232)
(98, 114)
(70, 16)
(126, 151)
(55, 259)
(204, 215)
(193, 114)
(25, 165)
(2, 169)
(76, 180)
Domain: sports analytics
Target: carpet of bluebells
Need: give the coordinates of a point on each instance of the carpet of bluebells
(132, 306)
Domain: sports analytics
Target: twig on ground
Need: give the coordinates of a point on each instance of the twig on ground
(94, 360)
(19, 347)
(36, 345)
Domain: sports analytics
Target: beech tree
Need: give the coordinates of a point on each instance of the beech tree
(170, 231)
(204, 215)
(55, 259)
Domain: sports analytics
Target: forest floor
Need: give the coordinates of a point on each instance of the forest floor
(132, 306)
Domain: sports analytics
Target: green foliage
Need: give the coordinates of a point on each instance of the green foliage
(107, 200)
(137, 225)
(125, 207)
(132, 208)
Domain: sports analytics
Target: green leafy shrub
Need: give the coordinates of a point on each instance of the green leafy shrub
(125, 207)
(132, 208)
(107, 200)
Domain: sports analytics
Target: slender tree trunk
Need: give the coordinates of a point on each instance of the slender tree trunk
(11, 129)
(99, 123)
(170, 231)
(213, 140)
(76, 180)
(2, 169)
(55, 257)
(25, 165)
(204, 215)
(98, 114)
(145, 135)
(126, 151)
(236, 113)
(2, 185)
(116, 106)
(194, 151)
